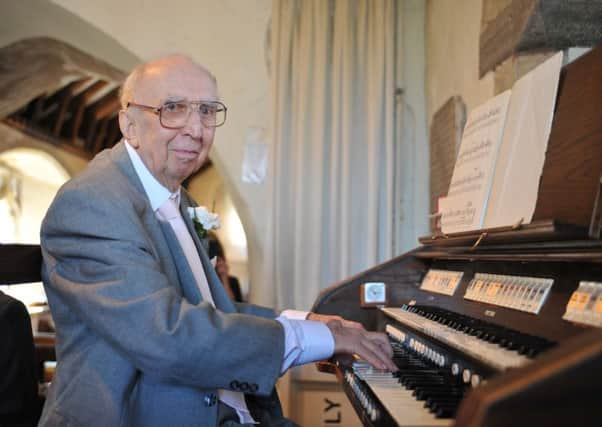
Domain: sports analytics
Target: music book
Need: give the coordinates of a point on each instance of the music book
(464, 206)
(501, 156)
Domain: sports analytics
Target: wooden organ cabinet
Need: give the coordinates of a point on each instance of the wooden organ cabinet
(503, 326)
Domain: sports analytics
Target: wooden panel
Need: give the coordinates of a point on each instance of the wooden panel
(446, 131)
(501, 33)
(573, 164)
(322, 404)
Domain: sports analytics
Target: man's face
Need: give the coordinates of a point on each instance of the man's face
(172, 155)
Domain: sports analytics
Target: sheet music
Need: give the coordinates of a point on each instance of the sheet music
(464, 207)
(457, 213)
(523, 149)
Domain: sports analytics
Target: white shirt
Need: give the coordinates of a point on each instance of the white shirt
(305, 341)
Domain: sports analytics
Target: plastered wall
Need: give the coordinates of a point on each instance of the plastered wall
(452, 48)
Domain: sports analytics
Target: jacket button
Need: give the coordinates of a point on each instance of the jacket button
(210, 399)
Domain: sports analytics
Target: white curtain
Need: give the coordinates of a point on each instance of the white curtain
(333, 85)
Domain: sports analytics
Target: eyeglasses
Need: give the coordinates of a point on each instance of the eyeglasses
(174, 115)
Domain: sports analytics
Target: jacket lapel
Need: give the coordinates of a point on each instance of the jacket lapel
(184, 274)
(220, 297)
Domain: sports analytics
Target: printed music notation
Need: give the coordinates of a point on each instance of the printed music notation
(464, 207)
(456, 217)
(467, 183)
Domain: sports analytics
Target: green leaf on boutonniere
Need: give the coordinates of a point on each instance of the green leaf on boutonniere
(200, 230)
(203, 220)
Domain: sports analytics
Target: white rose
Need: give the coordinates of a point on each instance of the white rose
(208, 220)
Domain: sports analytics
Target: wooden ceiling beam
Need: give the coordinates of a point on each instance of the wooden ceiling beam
(65, 100)
(82, 102)
(114, 132)
(107, 105)
(38, 108)
(100, 135)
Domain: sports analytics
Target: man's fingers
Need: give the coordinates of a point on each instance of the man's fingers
(382, 359)
(371, 357)
(382, 341)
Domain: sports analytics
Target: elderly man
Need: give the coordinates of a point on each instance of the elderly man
(146, 335)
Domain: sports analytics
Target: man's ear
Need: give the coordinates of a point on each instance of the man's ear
(128, 128)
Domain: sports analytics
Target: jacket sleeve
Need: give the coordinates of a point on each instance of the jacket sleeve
(101, 262)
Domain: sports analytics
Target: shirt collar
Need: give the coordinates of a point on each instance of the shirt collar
(155, 191)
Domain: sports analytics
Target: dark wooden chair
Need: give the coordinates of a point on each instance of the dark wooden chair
(20, 364)
(20, 264)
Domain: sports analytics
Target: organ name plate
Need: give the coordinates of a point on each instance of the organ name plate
(517, 292)
(585, 305)
(441, 281)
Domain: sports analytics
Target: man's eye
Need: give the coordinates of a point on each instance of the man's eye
(207, 110)
(174, 107)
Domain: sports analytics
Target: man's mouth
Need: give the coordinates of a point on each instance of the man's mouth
(185, 154)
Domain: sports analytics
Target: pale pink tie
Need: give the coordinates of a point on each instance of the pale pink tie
(170, 212)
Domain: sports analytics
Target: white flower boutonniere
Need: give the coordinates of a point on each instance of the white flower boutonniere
(203, 220)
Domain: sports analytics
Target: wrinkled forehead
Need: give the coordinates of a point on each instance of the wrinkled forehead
(181, 81)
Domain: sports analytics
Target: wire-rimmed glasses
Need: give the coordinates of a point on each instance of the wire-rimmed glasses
(175, 114)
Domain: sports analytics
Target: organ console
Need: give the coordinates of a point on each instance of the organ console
(504, 333)
(503, 326)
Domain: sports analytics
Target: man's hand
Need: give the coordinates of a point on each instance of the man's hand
(325, 318)
(373, 347)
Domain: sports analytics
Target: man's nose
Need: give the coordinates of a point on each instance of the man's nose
(194, 126)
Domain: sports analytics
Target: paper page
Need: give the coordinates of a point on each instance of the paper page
(522, 152)
(457, 213)
(473, 171)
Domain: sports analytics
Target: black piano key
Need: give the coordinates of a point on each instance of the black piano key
(446, 412)
(434, 393)
(441, 402)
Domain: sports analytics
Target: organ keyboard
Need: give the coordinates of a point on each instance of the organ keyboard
(498, 349)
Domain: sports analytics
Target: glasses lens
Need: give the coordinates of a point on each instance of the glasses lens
(212, 113)
(174, 114)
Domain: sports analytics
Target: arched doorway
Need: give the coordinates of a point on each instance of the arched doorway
(209, 189)
(29, 180)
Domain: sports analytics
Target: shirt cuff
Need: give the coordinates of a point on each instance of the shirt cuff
(305, 341)
(295, 314)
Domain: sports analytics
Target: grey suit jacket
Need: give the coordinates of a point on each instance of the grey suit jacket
(136, 343)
